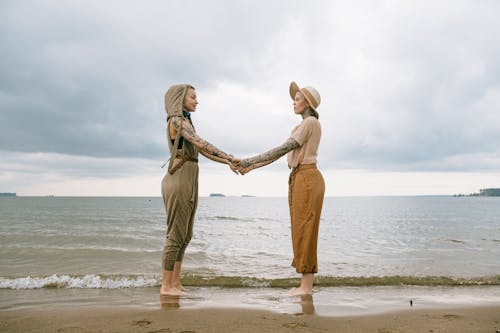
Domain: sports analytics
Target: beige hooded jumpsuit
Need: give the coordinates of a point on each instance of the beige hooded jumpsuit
(180, 189)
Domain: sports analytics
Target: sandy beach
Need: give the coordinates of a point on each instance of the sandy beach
(471, 319)
(368, 309)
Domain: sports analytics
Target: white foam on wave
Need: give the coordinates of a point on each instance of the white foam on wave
(90, 281)
(255, 283)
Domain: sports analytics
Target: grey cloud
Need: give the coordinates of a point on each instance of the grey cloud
(412, 86)
(433, 91)
(88, 78)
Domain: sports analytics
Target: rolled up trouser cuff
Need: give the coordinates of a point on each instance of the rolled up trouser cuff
(168, 265)
(180, 254)
(169, 258)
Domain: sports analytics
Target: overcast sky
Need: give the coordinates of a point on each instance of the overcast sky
(410, 92)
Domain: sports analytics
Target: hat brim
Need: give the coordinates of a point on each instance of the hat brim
(294, 89)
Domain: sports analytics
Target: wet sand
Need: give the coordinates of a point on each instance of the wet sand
(172, 319)
(379, 310)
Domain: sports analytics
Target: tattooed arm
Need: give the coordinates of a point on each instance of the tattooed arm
(223, 161)
(187, 131)
(249, 168)
(269, 156)
(214, 158)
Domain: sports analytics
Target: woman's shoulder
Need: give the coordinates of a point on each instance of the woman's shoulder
(179, 120)
(311, 121)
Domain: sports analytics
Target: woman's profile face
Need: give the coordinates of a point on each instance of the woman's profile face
(299, 103)
(190, 101)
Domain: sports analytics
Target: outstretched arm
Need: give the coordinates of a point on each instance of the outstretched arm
(222, 160)
(214, 158)
(187, 131)
(269, 156)
(249, 168)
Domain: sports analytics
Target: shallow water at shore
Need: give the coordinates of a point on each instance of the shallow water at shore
(326, 301)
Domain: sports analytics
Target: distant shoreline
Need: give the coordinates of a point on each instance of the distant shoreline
(486, 192)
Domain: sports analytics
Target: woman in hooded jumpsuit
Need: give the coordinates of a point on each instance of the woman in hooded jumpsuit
(179, 187)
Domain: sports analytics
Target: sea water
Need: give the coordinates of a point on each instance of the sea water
(92, 243)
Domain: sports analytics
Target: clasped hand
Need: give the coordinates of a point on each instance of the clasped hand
(240, 167)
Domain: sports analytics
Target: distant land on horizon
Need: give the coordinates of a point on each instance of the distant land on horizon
(216, 195)
(223, 195)
(486, 192)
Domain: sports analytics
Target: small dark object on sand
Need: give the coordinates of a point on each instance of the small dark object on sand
(411, 304)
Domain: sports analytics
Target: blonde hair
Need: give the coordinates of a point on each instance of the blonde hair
(313, 112)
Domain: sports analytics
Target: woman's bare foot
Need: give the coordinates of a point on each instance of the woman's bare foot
(299, 291)
(180, 287)
(171, 292)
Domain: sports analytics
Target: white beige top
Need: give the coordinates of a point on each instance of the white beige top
(308, 135)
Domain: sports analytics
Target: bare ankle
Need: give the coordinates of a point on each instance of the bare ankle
(170, 292)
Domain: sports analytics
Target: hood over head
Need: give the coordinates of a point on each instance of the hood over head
(174, 97)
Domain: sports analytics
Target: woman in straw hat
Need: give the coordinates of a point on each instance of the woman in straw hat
(306, 185)
(180, 185)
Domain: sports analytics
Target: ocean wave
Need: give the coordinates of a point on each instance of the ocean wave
(93, 281)
(90, 281)
(225, 218)
(83, 247)
(243, 219)
(458, 241)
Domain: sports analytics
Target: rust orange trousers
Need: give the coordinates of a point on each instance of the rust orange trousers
(306, 191)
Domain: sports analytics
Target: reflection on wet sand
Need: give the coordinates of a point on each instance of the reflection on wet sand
(169, 302)
(307, 304)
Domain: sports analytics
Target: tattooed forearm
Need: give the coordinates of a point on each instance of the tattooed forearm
(213, 158)
(189, 134)
(212, 150)
(272, 154)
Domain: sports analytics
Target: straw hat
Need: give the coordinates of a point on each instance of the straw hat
(312, 95)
